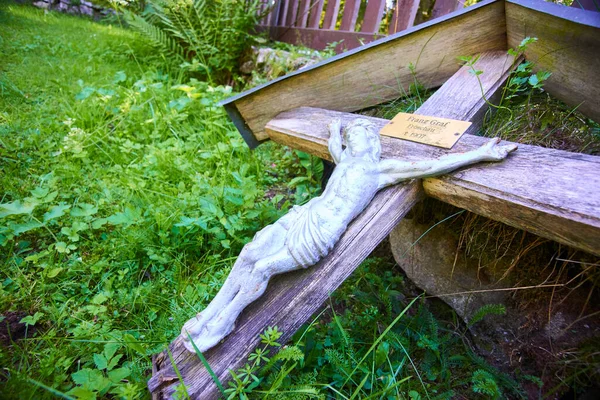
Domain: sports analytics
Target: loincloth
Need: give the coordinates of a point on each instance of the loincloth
(307, 241)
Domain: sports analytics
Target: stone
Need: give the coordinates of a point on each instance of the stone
(436, 264)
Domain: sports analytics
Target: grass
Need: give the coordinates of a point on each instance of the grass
(126, 195)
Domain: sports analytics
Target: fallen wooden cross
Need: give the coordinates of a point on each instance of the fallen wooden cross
(552, 193)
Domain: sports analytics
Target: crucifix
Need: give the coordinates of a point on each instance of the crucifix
(552, 193)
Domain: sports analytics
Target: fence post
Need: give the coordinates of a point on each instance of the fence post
(373, 14)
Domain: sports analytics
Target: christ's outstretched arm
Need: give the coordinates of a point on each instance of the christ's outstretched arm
(395, 171)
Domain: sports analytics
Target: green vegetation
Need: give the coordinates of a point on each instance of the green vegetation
(126, 195)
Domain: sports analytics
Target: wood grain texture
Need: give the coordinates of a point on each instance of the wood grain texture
(380, 72)
(319, 39)
(351, 8)
(373, 16)
(303, 12)
(568, 46)
(284, 5)
(292, 13)
(290, 299)
(404, 15)
(316, 9)
(443, 7)
(274, 14)
(554, 194)
(331, 14)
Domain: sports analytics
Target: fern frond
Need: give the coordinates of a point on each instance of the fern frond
(155, 35)
(488, 309)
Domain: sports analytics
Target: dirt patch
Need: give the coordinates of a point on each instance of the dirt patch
(11, 329)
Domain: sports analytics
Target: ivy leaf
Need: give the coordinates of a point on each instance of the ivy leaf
(16, 208)
(56, 212)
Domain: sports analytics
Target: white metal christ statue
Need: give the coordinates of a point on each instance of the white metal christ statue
(307, 233)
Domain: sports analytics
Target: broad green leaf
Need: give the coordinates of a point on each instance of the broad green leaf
(99, 298)
(110, 349)
(32, 319)
(100, 361)
(91, 379)
(114, 361)
(82, 393)
(98, 223)
(15, 208)
(127, 217)
(84, 210)
(119, 374)
(27, 226)
(133, 344)
(85, 93)
(120, 76)
(56, 212)
(40, 192)
(54, 272)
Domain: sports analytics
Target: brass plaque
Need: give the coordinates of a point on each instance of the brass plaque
(440, 132)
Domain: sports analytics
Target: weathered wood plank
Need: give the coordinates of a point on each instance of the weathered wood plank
(292, 13)
(373, 16)
(274, 14)
(290, 299)
(351, 8)
(284, 11)
(568, 46)
(315, 14)
(552, 193)
(377, 72)
(319, 39)
(331, 14)
(443, 7)
(404, 15)
(303, 11)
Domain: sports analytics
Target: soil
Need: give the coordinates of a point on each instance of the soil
(11, 329)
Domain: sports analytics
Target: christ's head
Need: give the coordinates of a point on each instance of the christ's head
(362, 139)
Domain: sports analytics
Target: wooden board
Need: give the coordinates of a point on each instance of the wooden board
(568, 46)
(291, 299)
(404, 15)
(373, 16)
(377, 72)
(552, 193)
(350, 15)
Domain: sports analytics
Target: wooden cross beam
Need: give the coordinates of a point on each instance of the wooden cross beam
(552, 193)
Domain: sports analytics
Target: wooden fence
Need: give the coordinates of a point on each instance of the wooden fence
(317, 23)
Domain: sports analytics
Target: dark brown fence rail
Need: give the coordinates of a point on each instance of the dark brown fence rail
(351, 23)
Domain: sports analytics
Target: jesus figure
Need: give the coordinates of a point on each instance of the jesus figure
(307, 233)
